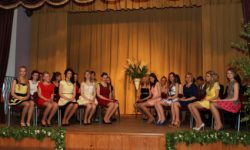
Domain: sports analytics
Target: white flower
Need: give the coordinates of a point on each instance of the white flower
(3, 132)
(49, 133)
(62, 136)
(241, 138)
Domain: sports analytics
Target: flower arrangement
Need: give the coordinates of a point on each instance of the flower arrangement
(206, 137)
(39, 133)
(135, 68)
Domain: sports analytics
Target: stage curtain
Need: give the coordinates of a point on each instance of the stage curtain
(167, 40)
(5, 37)
(49, 42)
(193, 39)
(91, 5)
(220, 27)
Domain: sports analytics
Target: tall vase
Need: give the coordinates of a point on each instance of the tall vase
(137, 83)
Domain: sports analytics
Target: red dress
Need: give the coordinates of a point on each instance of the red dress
(105, 92)
(230, 106)
(46, 91)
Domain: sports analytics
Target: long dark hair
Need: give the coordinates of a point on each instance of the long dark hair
(69, 70)
(32, 73)
(236, 75)
(155, 79)
(55, 75)
(178, 79)
(169, 81)
(76, 82)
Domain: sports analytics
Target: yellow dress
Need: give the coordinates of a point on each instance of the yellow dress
(89, 92)
(209, 94)
(67, 91)
(20, 90)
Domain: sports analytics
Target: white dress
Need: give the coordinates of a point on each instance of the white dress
(171, 92)
(33, 87)
(89, 91)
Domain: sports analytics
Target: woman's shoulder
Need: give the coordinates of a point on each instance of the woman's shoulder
(62, 82)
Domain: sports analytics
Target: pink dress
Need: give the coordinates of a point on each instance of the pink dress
(230, 106)
(155, 93)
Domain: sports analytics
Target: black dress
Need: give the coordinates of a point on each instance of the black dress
(144, 93)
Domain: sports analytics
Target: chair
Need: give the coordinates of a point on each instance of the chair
(12, 108)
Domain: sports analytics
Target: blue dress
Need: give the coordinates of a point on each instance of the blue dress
(189, 92)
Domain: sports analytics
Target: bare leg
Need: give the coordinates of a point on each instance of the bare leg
(46, 112)
(216, 115)
(30, 111)
(176, 107)
(52, 112)
(109, 109)
(195, 107)
(92, 112)
(190, 107)
(144, 108)
(72, 112)
(87, 112)
(173, 113)
(24, 111)
(113, 110)
(159, 113)
(66, 113)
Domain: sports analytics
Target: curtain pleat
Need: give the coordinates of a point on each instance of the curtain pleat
(5, 38)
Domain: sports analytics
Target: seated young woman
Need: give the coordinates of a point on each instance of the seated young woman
(88, 97)
(67, 95)
(172, 97)
(20, 95)
(56, 78)
(231, 102)
(104, 97)
(143, 93)
(156, 97)
(46, 99)
(189, 96)
(33, 82)
(212, 94)
(164, 87)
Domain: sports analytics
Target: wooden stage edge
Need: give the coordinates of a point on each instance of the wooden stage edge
(129, 134)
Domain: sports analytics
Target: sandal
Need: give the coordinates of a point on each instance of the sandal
(23, 124)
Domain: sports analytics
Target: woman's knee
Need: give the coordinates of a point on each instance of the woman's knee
(26, 104)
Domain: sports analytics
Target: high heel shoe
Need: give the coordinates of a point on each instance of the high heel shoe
(171, 125)
(23, 124)
(163, 122)
(177, 124)
(200, 127)
(28, 124)
(106, 122)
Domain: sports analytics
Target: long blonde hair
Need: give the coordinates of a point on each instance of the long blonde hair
(214, 78)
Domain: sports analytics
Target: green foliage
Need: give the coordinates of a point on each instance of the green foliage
(245, 35)
(206, 137)
(242, 64)
(135, 68)
(57, 135)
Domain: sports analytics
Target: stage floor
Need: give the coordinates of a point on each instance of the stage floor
(127, 124)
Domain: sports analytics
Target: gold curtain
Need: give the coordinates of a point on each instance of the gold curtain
(172, 39)
(220, 26)
(167, 40)
(49, 42)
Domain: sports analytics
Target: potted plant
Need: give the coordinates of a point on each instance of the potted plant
(135, 69)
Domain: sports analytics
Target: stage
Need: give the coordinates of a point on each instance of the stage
(129, 133)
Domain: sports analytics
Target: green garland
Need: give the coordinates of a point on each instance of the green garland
(55, 134)
(206, 137)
